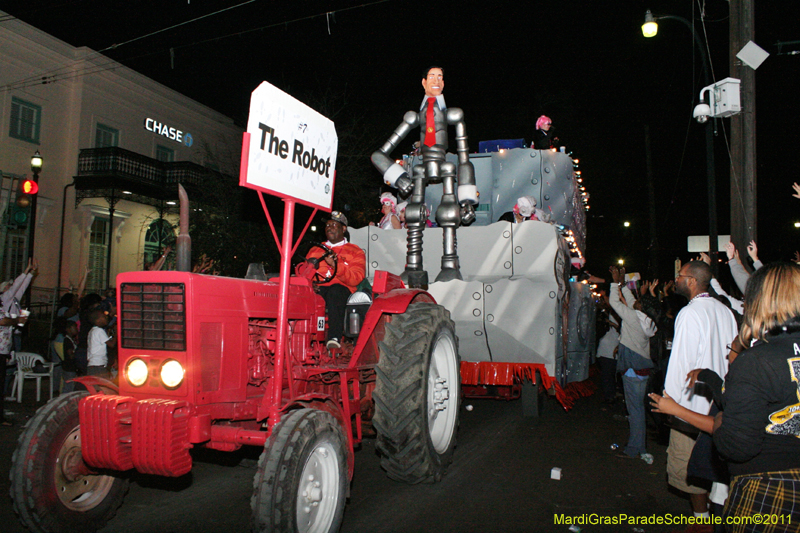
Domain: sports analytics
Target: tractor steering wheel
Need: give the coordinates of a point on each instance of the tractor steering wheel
(317, 278)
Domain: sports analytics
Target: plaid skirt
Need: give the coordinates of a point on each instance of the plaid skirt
(765, 502)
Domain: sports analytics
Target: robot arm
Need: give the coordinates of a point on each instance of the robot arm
(467, 190)
(393, 174)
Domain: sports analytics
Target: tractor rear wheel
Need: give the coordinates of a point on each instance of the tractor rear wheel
(417, 394)
(51, 487)
(301, 482)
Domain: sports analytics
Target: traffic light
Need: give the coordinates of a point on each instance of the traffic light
(29, 186)
(21, 210)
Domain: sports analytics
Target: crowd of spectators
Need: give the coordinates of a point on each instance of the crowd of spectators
(723, 373)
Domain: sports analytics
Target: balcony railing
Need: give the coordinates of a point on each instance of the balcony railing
(105, 170)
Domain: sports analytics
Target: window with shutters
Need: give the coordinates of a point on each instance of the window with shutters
(25, 120)
(158, 236)
(105, 136)
(98, 255)
(164, 154)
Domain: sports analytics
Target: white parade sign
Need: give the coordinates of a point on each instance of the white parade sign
(289, 149)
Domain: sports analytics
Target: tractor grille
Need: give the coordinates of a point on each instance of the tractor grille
(153, 316)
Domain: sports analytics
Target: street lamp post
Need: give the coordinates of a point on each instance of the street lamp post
(36, 167)
(649, 29)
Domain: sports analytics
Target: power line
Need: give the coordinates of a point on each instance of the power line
(53, 75)
(47, 76)
(115, 46)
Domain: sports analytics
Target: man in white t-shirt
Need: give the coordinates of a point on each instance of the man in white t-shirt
(703, 330)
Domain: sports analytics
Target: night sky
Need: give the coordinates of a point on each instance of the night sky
(584, 64)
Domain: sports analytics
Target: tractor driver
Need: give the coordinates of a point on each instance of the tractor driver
(349, 262)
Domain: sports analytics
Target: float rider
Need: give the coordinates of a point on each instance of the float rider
(349, 263)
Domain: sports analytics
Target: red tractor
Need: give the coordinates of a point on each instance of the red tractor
(216, 362)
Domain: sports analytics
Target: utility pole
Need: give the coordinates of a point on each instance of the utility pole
(651, 204)
(743, 131)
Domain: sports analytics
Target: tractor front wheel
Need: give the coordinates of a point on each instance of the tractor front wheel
(301, 482)
(52, 488)
(417, 394)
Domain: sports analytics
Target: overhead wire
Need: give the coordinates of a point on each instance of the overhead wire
(114, 46)
(703, 20)
(688, 128)
(46, 76)
(53, 75)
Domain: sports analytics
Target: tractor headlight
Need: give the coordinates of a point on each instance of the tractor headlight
(136, 372)
(172, 373)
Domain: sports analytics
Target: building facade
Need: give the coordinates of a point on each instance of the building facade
(115, 144)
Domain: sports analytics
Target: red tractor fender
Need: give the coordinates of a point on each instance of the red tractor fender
(393, 302)
(316, 400)
(96, 385)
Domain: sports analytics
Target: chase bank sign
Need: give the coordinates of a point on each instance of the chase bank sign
(173, 134)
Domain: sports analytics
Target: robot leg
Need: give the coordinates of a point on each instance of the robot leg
(448, 216)
(415, 275)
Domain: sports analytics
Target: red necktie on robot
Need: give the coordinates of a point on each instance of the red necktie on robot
(430, 126)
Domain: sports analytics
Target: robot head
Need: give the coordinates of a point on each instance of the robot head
(433, 82)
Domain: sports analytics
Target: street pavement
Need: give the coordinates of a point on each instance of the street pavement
(500, 480)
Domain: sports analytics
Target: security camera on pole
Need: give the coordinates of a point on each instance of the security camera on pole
(723, 100)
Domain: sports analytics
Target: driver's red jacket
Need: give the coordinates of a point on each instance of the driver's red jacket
(351, 268)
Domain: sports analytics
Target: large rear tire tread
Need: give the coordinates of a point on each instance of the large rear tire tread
(277, 485)
(35, 474)
(401, 395)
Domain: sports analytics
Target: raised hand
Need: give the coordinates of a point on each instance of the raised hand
(668, 286)
(796, 188)
(704, 258)
(617, 274)
(644, 287)
(752, 250)
(653, 286)
(730, 250)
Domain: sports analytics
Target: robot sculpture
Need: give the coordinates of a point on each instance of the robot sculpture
(454, 210)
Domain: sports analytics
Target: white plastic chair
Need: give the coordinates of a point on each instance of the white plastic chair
(26, 362)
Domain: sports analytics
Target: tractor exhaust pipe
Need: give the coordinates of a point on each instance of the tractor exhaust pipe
(183, 246)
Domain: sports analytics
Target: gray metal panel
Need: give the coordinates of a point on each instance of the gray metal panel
(485, 251)
(558, 187)
(498, 317)
(515, 173)
(543, 174)
(465, 301)
(520, 321)
(387, 250)
(360, 237)
(581, 338)
(502, 177)
(535, 245)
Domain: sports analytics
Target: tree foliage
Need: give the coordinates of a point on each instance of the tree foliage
(219, 224)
